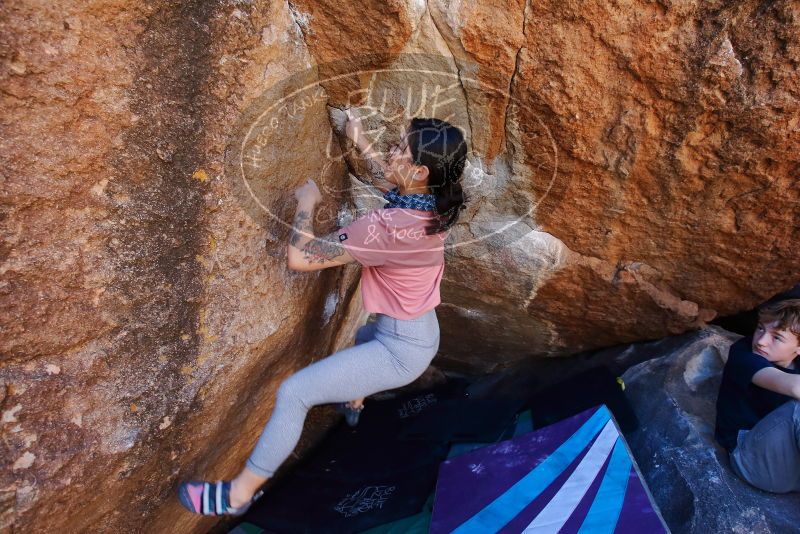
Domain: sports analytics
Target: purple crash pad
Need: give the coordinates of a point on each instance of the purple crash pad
(575, 476)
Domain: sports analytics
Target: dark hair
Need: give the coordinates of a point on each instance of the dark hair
(441, 147)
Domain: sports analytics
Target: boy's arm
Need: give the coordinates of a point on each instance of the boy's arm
(778, 381)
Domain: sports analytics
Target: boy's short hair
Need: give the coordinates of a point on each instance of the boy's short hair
(786, 312)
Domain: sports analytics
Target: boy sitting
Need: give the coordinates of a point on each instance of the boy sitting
(758, 407)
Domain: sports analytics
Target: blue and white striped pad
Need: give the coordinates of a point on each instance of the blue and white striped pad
(575, 476)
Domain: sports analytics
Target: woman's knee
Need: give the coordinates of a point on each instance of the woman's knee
(290, 389)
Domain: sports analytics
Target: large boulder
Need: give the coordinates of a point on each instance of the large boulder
(648, 146)
(148, 315)
(630, 176)
(619, 190)
(674, 396)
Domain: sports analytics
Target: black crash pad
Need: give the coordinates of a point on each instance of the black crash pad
(300, 504)
(464, 420)
(579, 393)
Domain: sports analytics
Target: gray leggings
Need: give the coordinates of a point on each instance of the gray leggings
(388, 353)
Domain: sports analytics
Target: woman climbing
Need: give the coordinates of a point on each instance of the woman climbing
(401, 248)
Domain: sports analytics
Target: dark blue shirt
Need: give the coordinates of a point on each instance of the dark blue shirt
(740, 403)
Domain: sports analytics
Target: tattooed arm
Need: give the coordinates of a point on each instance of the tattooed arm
(306, 252)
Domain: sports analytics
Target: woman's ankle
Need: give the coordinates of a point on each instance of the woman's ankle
(244, 486)
(240, 493)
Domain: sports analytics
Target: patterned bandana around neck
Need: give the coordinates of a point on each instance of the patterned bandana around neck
(417, 201)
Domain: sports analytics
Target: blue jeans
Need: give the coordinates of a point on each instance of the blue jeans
(768, 455)
(388, 354)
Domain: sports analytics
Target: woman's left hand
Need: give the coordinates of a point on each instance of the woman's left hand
(308, 193)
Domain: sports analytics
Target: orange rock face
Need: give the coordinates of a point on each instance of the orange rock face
(348, 43)
(633, 173)
(659, 146)
(148, 313)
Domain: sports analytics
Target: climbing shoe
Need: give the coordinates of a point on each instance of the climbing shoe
(209, 498)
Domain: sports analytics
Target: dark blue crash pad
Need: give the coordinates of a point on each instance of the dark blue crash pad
(382, 471)
(359, 478)
(309, 505)
(464, 420)
(580, 392)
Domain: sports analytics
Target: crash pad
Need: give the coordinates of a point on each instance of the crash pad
(574, 476)
(362, 477)
(464, 420)
(315, 505)
(522, 425)
(580, 392)
(415, 524)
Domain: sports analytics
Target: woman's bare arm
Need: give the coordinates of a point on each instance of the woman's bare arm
(306, 251)
(377, 168)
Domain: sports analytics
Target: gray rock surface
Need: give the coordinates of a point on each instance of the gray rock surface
(674, 396)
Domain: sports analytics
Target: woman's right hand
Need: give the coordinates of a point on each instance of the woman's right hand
(353, 129)
(308, 194)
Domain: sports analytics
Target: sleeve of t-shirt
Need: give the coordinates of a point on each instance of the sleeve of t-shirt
(744, 363)
(365, 239)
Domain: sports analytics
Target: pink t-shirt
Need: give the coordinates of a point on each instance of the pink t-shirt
(403, 266)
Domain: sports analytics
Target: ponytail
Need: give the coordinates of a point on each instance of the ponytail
(441, 147)
(448, 207)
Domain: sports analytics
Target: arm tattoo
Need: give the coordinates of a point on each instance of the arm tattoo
(302, 224)
(322, 249)
(315, 249)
